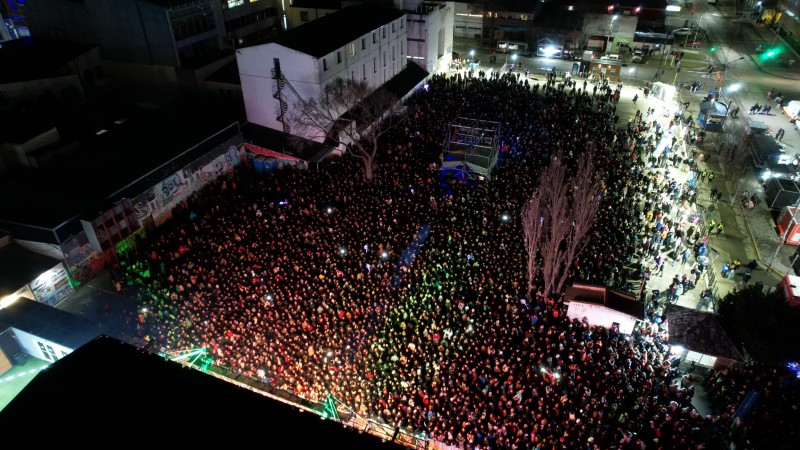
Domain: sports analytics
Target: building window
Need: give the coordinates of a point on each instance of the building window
(374, 65)
(352, 49)
(384, 32)
(374, 38)
(363, 44)
(401, 24)
(338, 57)
(325, 64)
(393, 53)
(364, 70)
(384, 59)
(303, 16)
(393, 28)
(401, 48)
(352, 75)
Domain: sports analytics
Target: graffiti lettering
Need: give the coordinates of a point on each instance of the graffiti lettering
(170, 188)
(141, 211)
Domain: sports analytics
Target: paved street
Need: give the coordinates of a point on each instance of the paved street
(748, 235)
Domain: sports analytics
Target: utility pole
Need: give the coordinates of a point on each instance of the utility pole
(783, 238)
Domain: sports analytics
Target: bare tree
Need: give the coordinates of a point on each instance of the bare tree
(557, 220)
(348, 113)
(555, 204)
(585, 203)
(532, 222)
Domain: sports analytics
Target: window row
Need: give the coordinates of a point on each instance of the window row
(351, 47)
(249, 19)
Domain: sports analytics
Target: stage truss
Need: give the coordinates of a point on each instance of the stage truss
(471, 153)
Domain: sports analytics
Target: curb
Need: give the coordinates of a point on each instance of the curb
(755, 245)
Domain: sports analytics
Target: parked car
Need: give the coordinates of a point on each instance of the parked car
(692, 43)
(638, 56)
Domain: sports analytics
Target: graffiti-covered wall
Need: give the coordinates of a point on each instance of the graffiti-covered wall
(153, 207)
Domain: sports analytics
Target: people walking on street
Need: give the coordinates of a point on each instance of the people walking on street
(779, 134)
(713, 195)
(720, 226)
(635, 97)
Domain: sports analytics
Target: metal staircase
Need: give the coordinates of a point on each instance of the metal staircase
(278, 94)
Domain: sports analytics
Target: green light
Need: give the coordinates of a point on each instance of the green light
(329, 411)
(713, 49)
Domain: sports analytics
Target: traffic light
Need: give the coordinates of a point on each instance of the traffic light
(713, 49)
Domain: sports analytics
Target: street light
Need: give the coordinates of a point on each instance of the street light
(472, 55)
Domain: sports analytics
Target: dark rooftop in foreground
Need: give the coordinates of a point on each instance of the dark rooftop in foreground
(324, 35)
(109, 394)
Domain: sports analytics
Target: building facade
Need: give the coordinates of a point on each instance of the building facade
(364, 42)
(173, 42)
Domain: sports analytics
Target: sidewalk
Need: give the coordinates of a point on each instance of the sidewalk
(771, 67)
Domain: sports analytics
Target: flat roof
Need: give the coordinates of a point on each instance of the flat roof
(49, 196)
(19, 266)
(48, 322)
(322, 36)
(30, 58)
(107, 392)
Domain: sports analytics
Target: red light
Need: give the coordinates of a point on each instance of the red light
(637, 10)
(611, 8)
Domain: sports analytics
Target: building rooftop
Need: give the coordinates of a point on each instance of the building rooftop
(48, 322)
(36, 58)
(227, 74)
(108, 163)
(108, 390)
(322, 36)
(317, 4)
(19, 266)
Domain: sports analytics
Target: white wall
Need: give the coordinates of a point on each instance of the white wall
(468, 20)
(255, 72)
(378, 60)
(39, 347)
(599, 315)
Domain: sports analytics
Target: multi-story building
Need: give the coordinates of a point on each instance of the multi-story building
(13, 20)
(173, 42)
(430, 34)
(363, 42)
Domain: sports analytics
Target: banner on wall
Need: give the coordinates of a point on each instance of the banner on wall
(52, 286)
(153, 207)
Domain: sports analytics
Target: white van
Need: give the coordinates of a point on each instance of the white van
(612, 57)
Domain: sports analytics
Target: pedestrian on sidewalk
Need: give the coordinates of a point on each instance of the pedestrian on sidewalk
(779, 134)
(714, 191)
(720, 226)
(635, 97)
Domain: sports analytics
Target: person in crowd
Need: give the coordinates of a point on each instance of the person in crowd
(407, 297)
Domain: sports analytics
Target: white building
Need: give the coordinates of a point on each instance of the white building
(430, 33)
(362, 42)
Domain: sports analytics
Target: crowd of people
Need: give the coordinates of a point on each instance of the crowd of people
(406, 297)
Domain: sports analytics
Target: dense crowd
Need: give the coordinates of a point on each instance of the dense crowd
(406, 296)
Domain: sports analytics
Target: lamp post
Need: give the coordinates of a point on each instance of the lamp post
(610, 33)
